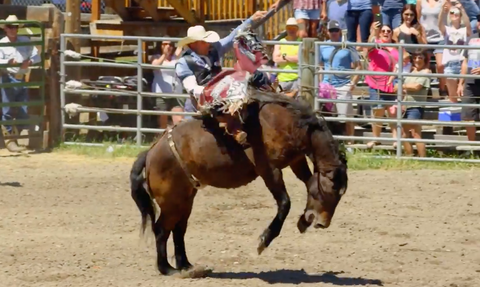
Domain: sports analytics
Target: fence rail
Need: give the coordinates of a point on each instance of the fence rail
(400, 103)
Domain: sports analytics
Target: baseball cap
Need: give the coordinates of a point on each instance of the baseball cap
(332, 24)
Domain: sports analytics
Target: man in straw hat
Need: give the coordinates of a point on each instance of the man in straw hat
(25, 56)
(201, 61)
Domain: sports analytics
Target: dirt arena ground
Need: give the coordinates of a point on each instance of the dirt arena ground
(67, 220)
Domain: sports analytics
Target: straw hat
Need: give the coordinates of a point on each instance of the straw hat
(198, 33)
(11, 18)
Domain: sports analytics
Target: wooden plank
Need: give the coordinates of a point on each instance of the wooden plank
(96, 11)
(184, 11)
(150, 7)
(161, 13)
(119, 7)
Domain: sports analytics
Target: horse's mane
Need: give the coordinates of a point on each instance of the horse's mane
(307, 117)
(298, 107)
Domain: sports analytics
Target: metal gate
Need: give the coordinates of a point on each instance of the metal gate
(35, 122)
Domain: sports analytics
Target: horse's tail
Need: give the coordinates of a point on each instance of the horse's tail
(139, 193)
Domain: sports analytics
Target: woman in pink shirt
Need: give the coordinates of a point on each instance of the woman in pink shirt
(382, 87)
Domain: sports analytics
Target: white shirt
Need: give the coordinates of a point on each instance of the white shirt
(20, 54)
(165, 80)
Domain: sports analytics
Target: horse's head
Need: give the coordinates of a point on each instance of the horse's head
(249, 51)
(326, 186)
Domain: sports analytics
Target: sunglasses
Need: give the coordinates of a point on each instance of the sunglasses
(334, 30)
(408, 14)
(11, 26)
(388, 31)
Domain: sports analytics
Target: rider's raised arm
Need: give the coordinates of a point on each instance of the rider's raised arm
(187, 77)
(225, 44)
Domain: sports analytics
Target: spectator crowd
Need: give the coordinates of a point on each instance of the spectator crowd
(434, 22)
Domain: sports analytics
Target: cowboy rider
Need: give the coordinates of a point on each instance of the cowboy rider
(202, 61)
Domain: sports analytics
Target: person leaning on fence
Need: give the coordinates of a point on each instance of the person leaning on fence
(286, 58)
(339, 58)
(469, 89)
(25, 56)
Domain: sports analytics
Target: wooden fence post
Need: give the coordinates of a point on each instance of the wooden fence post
(307, 91)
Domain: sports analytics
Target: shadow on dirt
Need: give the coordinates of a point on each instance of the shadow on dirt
(12, 184)
(284, 276)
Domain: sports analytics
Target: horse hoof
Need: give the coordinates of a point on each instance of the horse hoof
(302, 224)
(261, 245)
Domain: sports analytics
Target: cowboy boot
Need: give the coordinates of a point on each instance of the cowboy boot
(12, 144)
(234, 128)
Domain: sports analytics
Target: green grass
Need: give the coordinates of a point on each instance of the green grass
(356, 161)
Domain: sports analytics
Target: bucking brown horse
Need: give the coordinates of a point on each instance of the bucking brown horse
(197, 153)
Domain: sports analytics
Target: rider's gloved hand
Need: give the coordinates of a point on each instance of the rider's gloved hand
(197, 91)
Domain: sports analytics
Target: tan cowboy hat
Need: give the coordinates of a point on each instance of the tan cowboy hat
(291, 22)
(198, 33)
(11, 18)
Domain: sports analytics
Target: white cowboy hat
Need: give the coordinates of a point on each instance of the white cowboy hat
(11, 18)
(198, 33)
(291, 22)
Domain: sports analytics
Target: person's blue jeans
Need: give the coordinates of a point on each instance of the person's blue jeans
(11, 95)
(473, 23)
(355, 18)
(392, 17)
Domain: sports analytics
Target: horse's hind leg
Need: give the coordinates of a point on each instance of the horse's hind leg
(163, 227)
(179, 238)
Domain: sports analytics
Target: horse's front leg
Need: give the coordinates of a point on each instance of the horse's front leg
(274, 181)
(302, 172)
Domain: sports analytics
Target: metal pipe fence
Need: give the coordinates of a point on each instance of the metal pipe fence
(140, 94)
(11, 88)
(398, 121)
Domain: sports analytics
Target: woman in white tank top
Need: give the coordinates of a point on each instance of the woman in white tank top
(428, 13)
(454, 34)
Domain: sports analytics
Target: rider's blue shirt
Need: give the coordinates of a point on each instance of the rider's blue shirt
(221, 47)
